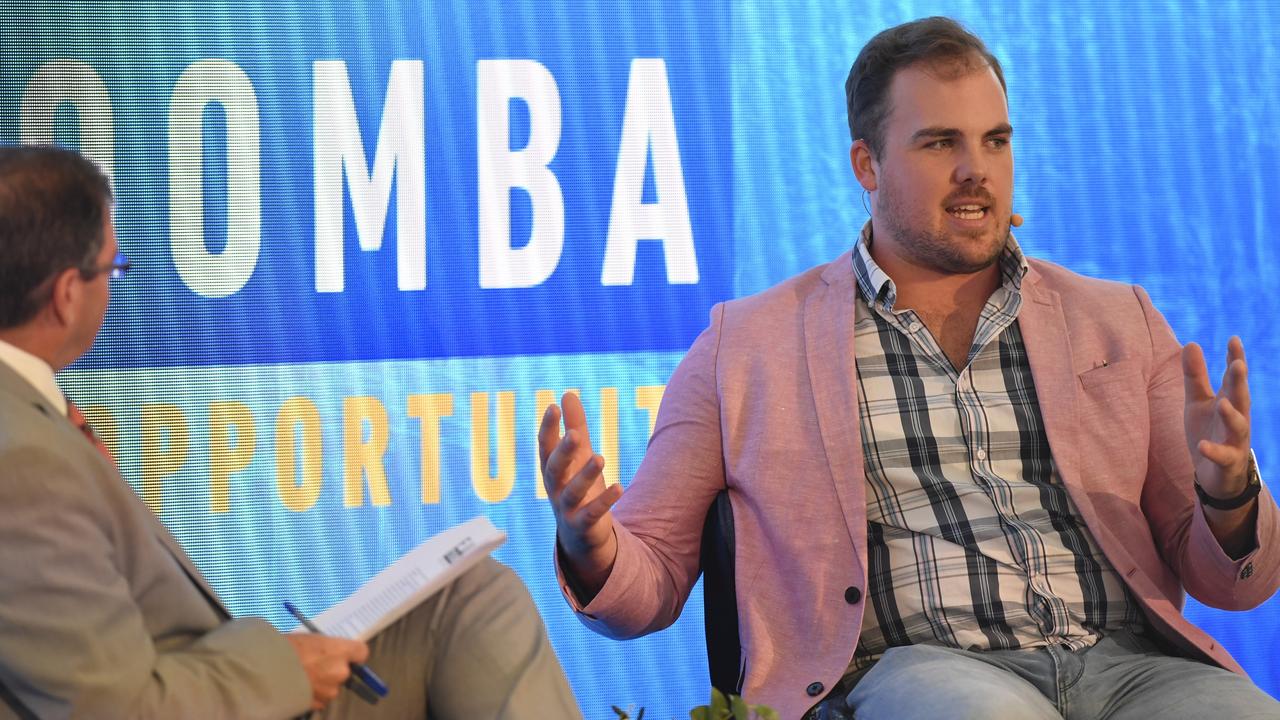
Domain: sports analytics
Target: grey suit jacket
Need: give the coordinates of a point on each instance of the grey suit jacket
(102, 614)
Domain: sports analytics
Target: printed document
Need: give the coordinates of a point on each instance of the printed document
(405, 583)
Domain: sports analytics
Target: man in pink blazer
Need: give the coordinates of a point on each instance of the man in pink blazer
(849, 596)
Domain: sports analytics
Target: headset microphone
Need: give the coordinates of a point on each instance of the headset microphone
(1015, 220)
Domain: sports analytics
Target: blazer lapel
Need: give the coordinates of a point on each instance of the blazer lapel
(1044, 333)
(24, 392)
(181, 557)
(170, 543)
(828, 337)
(1048, 345)
(12, 382)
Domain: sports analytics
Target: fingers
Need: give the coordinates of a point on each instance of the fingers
(572, 474)
(325, 689)
(575, 417)
(1235, 349)
(586, 499)
(1226, 457)
(1233, 450)
(326, 660)
(576, 503)
(567, 459)
(1237, 387)
(334, 672)
(563, 457)
(1236, 423)
(591, 513)
(548, 433)
(330, 676)
(1235, 379)
(1218, 424)
(359, 652)
(577, 488)
(1195, 373)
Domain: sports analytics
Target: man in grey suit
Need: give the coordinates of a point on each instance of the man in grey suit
(101, 612)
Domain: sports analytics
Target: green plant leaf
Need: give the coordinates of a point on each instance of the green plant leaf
(719, 704)
(702, 712)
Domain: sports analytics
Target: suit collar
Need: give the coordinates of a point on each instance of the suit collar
(36, 372)
(17, 386)
(839, 272)
(828, 338)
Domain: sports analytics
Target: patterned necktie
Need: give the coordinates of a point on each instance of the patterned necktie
(77, 417)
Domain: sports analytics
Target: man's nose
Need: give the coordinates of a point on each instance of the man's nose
(971, 165)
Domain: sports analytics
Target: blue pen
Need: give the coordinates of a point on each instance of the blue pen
(370, 687)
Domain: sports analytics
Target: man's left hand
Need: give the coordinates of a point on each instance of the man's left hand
(1217, 424)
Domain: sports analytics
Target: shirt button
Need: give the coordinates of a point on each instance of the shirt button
(815, 689)
(852, 595)
(914, 327)
(981, 454)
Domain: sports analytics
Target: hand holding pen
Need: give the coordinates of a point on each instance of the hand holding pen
(332, 663)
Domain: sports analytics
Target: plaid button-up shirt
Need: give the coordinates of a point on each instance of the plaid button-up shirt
(972, 539)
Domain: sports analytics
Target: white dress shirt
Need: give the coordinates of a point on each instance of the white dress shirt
(35, 371)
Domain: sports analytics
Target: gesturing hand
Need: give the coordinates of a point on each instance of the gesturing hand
(327, 662)
(1217, 424)
(571, 475)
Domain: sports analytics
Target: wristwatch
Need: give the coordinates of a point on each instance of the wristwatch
(1250, 491)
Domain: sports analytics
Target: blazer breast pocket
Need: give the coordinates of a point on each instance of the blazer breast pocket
(1113, 422)
(1127, 370)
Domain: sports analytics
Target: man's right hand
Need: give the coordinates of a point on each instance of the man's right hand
(327, 662)
(571, 476)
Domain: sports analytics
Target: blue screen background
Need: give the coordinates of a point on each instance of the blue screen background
(1147, 146)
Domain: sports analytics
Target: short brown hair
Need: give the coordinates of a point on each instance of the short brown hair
(932, 39)
(52, 206)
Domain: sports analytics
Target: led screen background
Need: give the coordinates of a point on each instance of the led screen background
(298, 437)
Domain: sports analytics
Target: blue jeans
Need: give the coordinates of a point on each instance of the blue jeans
(1123, 677)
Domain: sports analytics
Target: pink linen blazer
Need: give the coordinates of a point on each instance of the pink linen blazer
(765, 404)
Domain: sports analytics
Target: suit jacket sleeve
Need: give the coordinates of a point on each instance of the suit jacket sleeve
(1171, 507)
(74, 641)
(658, 522)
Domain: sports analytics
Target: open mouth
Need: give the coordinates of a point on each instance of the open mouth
(968, 211)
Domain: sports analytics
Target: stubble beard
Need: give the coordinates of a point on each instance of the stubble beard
(940, 251)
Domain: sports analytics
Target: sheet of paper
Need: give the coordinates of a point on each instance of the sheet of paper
(416, 576)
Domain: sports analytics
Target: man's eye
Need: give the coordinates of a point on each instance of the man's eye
(941, 144)
(999, 142)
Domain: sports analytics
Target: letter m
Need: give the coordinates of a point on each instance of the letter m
(339, 152)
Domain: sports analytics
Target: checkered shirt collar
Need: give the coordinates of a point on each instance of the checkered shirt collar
(878, 288)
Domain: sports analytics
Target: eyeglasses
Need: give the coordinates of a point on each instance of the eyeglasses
(116, 269)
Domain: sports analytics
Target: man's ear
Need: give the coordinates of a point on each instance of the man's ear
(64, 304)
(864, 164)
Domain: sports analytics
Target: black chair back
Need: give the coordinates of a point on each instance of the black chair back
(720, 598)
